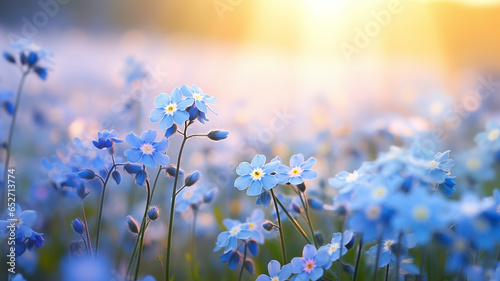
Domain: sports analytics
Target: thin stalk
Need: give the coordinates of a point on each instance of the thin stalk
(86, 245)
(193, 244)
(282, 239)
(422, 263)
(99, 218)
(197, 135)
(180, 189)
(306, 209)
(172, 206)
(398, 253)
(358, 259)
(339, 267)
(244, 259)
(156, 181)
(377, 258)
(87, 231)
(129, 267)
(294, 222)
(387, 272)
(12, 126)
(143, 230)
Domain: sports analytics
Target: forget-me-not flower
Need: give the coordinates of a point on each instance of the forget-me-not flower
(200, 100)
(105, 139)
(310, 265)
(257, 175)
(276, 272)
(146, 149)
(298, 170)
(170, 109)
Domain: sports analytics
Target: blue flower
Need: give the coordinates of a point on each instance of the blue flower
(254, 223)
(421, 213)
(276, 272)
(35, 240)
(200, 100)
(298, 170)
(170, 109)
(333, 248)
(105, 139)
(23, 221)
(388, 256)
(491, 138)
(310, 265)
(229, 239)
(146, 149)
(256, 175)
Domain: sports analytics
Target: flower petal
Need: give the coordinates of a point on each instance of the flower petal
(166, 122)
(160, 158)
(296, 160)
(243, 182)
(258, 161)
(269, 181)
(308, 164)
(180, 116)
(176, 95)
(133, 140)
(133, 154)
(244, 169)
(255, 188)
(149, 136)
(162, 100)
(148, 160)
(156, 114)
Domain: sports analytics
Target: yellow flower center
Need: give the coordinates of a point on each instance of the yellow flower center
(257, 174)
(493, 135)
(147, 148)
(171, 108)
(295, 172)
(373, 212)
(251, 225)
(334, 247)
(234, 230)
(473, 164)
(380, 192)
(434, 163)
(275, 278)
(197, 96)
(352, 177)
(387, 245)
(420, 213)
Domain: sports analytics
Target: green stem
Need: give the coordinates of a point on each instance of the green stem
(143, 230)
(172, 206)
(99, 218)
(398, 253)
(306, 209)
(11, 129)
(87, 231)
(377, 258)
(282, 239)
(244, 259)
(341, 247)
(154, 184)
(129, 267)
(193, 244)
(294, 222)
(422, 263)
(358, 259)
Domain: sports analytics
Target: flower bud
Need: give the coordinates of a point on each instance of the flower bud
(132, 168)
(170, 170)
(132, 224)
(269, 226)
(10, 58)
(296, 208)
(315, 204)
(192, 178)
(319, 237)
(78, 226)
(302, 187)
(153, 213)
(209, 195)
(86, 174)
(217, 135)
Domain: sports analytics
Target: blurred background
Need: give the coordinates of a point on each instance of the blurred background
(322, 77)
